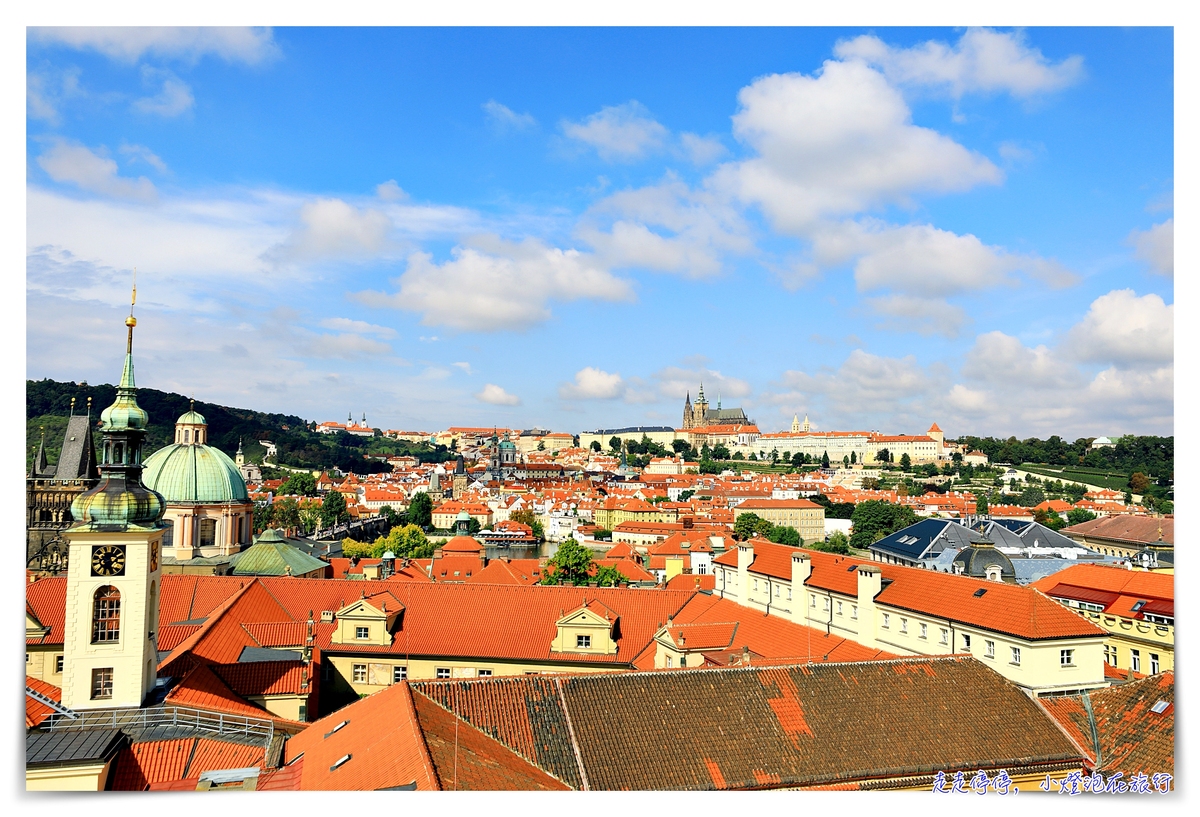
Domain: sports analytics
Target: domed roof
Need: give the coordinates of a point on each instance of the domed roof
(194, 473)
(976, 558)
(192, 417)
(462, 544)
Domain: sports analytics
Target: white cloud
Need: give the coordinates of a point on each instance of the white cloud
(390, 191)
(358, 327)
(173, 98)
(464, 365)
(675, 382)
(141, 153)
(345, 346)
(46, 90)
(495, 285)
(504, 118)
(619, 132)
(333, 228)
(925, 316)
(497, 396)
(1124, 330)
(923, 260)
(130, 43)
(702, 150)
(692, 229)
(593, 384)
(838, 143)
(1156, 246)
(982, 60)
(1002, 360)
(75, 164)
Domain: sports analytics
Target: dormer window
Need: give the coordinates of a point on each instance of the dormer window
(583, 642)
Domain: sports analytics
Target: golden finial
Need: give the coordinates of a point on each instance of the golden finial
(89, 405)
(72, 406)
(131, 321)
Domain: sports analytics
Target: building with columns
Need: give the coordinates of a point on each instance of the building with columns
(208, 510)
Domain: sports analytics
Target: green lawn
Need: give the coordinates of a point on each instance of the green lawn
(1113, 480)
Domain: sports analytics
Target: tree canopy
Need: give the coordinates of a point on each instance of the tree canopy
(874, 519)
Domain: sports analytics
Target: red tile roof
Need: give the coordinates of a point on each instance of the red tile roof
(1117, 588)
(159, 762)
(265, 677)
(1133, 530)
(36, 712)
(692, 581)
(46, 598)
(201, 688)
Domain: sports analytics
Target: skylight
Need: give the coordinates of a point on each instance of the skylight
(1160, 706)
(980, 592)
(339, 762)
(336, 728)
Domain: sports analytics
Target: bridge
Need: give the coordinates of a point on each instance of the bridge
(364, 530)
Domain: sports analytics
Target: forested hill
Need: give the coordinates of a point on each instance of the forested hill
(1154, 456)
(48, 404)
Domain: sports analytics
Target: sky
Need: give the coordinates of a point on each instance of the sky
(574, 228)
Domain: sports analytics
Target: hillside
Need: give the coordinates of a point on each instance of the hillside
(48, 404)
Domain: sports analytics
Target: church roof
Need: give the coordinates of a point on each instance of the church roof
(192, 417)
(194, 473)
(78, 457)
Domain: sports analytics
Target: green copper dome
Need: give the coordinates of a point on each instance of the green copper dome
(125, 414)
(192, 417)
(198, 474)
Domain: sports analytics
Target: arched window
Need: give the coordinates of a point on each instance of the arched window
(169, 536)
(187, 435)
(208, 533)
(106, 615)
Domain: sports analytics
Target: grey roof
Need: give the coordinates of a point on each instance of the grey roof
(71, 746)
(726, 416)
(926, 539)
(1001, 535)
(629, 429)
(1035, 533)
(254, 655)
(77, 460)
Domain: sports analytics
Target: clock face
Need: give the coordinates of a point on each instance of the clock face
(108, 560)
(154, 557)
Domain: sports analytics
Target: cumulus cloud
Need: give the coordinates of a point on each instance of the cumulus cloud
(141, 153)
(497, 396)
(1156, 246)
(620, 133)
(131, 43)
(675, 382)
(1124, 330)
(982, 60)
(1001, 360)
(593, 384)
(358, 327)
(46, 90)
(494, 285)
(390, 191)
(73, 163)
(173, 98)
(504, 118)
(837, 143)
(333, 228)
(464, 365)
(667, 227)
(701, 150)
(925, 316)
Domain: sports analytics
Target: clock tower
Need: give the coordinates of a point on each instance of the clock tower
(114, 572)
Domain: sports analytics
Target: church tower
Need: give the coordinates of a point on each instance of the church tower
(687, 411)
(700, 410)
(114, 572)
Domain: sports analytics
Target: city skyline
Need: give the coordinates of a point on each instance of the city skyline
(880, 228)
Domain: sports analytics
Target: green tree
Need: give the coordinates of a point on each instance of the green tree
(825, 459)
(571, 563)
(303, 484)
(333, 509)
(784, 535)
(684, 496)
(737, 455)
(981, 503)
(905, 462)
(1165, 507)
(720, 452)
(680, 446)
(389, 513)
(745, 525)
(883, 455)
(608, 576)
(352, 548)
(473, 526)
(310, 517)
(1077, 516)
(1031, 497)
(614, 442)
(596, 445)
(837, 543)
(286, 513)
(602, 535)
(870, 483)
(753, 457)
(528, 517)
(262, 516)
(420, 510)
(1048, 518)
(853, 458)
(845, 462)
(874, 519)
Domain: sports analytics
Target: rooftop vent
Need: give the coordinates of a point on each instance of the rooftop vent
(326, 616)
(1138, 606)
(336, 728)
(980, 592)
(1160, 707)
(339, 762)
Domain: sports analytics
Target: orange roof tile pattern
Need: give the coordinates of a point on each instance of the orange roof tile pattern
(35, 711)
(201, 688)
(1120, 590)
(157, 762)
(1134, 530)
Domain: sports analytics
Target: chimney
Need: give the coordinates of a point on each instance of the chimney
(801, 570)
(745, 655)
(745, 558)
(870, 582)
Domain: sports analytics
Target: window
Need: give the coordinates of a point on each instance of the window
(1110, 655)
(1153, 663)
(362, 632)
(886, 621)
(583, 642)
(904, 625)
(756, 584)
(58, 662)
(670, 661)
(208, 532)
(399, 674)
(1016, 655)
(702, 569)
(812, 600)
(776, 591)
(443, 672)
(966, 643)
(789, 594)
(945, 635)
(924, 631)
(989, 649)
(360, 673)
(826, 603)
(102, 683)
(1066, 658)
(1135, 660)
(106, 615)
(854, 611)
(169, 536)
(485, 673)
(839, 608)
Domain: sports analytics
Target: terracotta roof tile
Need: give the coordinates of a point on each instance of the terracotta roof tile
(36, 712)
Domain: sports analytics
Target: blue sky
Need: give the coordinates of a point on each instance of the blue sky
(881, 228)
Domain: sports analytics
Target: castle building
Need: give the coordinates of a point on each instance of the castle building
(114, 570)
(50, 490)
(208, 510)
(699, 415)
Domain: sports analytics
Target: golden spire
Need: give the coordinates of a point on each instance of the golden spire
(131, 321)
(72, 406)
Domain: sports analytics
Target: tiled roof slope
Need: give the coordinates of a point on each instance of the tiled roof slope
(35, 711)
(201, 688)
(1119, 589)
(525, 714)
(466, 759)
(1133, 738)
(807, 725)
(1003, 608)
(1132, 529)
(383, 740)
(46, 599)
(156, 762)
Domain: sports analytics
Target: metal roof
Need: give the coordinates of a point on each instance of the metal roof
(79, 746)
(198, 474)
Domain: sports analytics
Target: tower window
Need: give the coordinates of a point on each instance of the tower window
(208, 532)
(102, 683)
(106, 616)
(187, 435)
